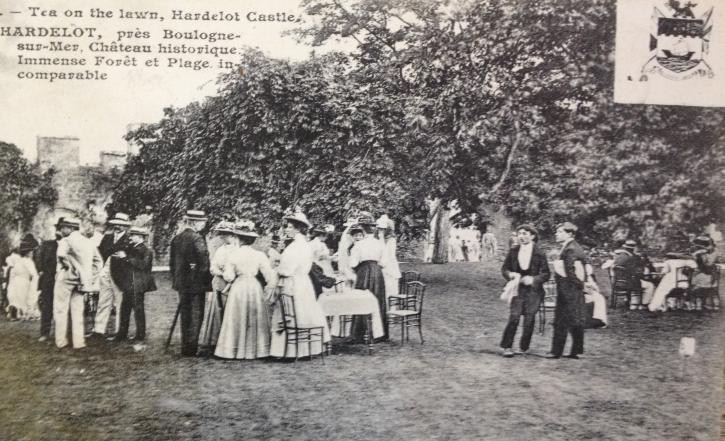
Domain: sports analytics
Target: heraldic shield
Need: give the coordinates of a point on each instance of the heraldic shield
(679, 43)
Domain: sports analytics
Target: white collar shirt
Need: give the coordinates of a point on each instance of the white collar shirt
(525, 255)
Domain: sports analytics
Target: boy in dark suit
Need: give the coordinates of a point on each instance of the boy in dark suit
(526, 262)
(139, 259)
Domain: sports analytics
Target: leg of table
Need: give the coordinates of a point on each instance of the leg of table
(370, 333)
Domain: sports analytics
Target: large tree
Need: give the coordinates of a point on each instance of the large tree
(25, 188)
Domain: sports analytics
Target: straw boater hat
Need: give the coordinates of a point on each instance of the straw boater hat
(319, 229)
(138, 230)
(68, 222)
(120, 219)
(702, 241)
(366, 220)
(629, 245)
(245, 228)
(224, 227)
(298, 217)
(195, 215)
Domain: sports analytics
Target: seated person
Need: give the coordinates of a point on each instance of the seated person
(669, 283)
(703, 279)
(636, 268)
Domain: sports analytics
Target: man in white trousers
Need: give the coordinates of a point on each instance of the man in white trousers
(112, 248)
(79, 266)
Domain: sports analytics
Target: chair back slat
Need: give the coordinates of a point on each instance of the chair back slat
(289, 316)
(622, 278)
(414, 296)
(405, 277)
(683, 274)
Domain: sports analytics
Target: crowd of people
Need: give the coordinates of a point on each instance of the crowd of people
(681, 281)
(229, 298)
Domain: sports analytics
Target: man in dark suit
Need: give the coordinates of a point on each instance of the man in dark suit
(527, 263)
(113, 248)
(570, 277)
(47, 262)
(189, 265)
(139, 259)
(635, 267)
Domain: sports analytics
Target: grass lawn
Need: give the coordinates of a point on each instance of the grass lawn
(454, 387)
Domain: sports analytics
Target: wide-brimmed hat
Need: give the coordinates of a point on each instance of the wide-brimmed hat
(195, 215)
(298, 217)
(383, 221)
(28, 243)
(138, 230)
(366, 220)
(120, 219)
(528, 227)
(319, 229)
(224, 227)
(245, 228)
(68, 222)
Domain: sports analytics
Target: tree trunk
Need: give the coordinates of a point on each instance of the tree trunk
(441, 234)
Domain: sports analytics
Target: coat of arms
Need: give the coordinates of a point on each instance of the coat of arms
(679, 43)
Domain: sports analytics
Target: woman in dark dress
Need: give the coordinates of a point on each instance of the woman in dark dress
(367, 259)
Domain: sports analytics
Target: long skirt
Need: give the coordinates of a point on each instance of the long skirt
(309, 314)
(19, 293)
(391, 286)
(370, 277)
(211, 323)
(245, 332)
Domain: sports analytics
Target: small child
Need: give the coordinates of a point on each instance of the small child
(140, 259)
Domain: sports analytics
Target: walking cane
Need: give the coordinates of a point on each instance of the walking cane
(173, 326)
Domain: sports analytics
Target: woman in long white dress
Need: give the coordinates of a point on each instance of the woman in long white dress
(245, 330)
(294, 273)
(211, 323)
(391, 271)
(23, 279)
(320, 252)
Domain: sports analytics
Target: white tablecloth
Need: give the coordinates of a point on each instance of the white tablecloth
(353, 302)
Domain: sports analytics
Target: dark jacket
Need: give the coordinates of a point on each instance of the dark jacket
(46, 261)
(120, 269)
(139, 258)
(538, 269)
(569, 288)
(189, 248)
(633, 267)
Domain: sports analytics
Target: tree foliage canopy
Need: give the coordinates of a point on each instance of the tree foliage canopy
(497, 103)
(25, 188)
